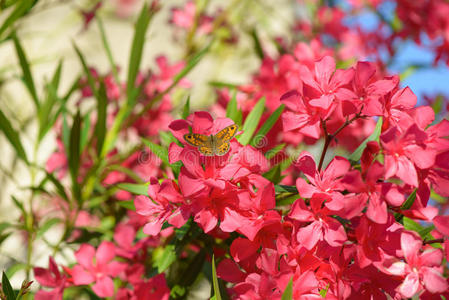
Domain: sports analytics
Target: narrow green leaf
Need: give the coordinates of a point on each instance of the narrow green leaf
(251, 122)
(191, 63)
(7, 288)
(20, 9)
(60, 188)
(12, 136)
(104, 39)
(232, 110)
(137, 189)
(410, 200)
(288, 292)
(167, 138)
(136, 50)
(267, 125)
(57, 76)
(85, 129)
(220, 84)
(285, 189)
(167, 257)
(424, 232)
(217, 294)
(26, 72)
(100, 126)
(127, 204)
(46, 226)
(90, 78)
(19, 205)
(65, 133)
(186, 109)
(273, 151)
(257, 45)
(357, 154)
(14, 268)
(274, 174)
(75, 153)
(158, 150)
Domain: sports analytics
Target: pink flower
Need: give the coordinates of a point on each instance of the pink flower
(321, 226)
(421, 270)
(405, 151)
(51, 277)
(324, 86)
(163, 206)
(99, 271)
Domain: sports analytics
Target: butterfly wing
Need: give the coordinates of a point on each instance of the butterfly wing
(222, 138)
(227, 133)
(196, 139)
(203, 142)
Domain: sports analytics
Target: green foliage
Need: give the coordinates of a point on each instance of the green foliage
(267, 125)
(12, 136)
(251, 122)
(26, 72)
(288, 292)
(136, 51)
(7, 288)
(357, 154)
(217, 295)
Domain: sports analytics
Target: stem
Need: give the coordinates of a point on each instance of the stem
(329, 137)
(29, 219)
(433, 241)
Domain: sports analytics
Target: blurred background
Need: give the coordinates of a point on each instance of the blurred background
(49, 29)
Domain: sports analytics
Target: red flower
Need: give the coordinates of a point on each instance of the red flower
(101, 270)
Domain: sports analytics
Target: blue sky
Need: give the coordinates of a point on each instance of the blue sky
(427, 80)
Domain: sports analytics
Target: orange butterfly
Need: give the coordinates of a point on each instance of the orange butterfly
(210, 145)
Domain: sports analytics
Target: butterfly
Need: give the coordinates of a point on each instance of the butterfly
(210, 145)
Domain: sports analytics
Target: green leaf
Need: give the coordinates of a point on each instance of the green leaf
(285, 189)
(12, 136)
(288, 292)
(20, 9)
(251, 122)
(273, 151)
(137, 189)
(217, 294)
(75, 153)
(357, 154)
(90, 78)
(26, 72)
(65, 133)
(50, 104)
(166, 258)
(19, 205)
(57, 76)
(232, 110)
(60, 188)
(14, 268)
(104, 39)
(7, 288)
(128, 204)
(267, 125)
(46, 226)
(158, 150)
(191, 64)
(100, 126)
(84, 131)
(219, 84)
(257, 46)
(136, 50)
(410, 200)
(186, 109)
(424, 232)
(274, 174)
